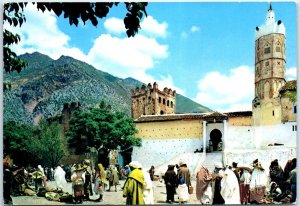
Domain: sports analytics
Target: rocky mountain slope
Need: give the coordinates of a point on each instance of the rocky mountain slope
(45, 85)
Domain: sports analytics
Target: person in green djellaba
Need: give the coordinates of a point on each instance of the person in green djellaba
(133, 187)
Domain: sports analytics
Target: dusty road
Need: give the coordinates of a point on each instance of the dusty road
(110, 198)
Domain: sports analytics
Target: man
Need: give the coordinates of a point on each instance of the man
(216, 185)
(245, 184)
(183, 172)
(258, 183)
(203, 186)
(276, 173)
(113, 177)
(230, 189)
(293, 180)
(133, 187)
(88, 179)
(170, 181)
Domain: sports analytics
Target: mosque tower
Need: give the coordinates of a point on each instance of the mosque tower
(269, 70)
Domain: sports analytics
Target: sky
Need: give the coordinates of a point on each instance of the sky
(203, 50)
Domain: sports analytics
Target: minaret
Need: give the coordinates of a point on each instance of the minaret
(269, 70)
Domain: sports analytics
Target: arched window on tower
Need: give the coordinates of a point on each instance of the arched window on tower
(171, 104)
(159, 99)
(168, 102)
(278, 47)
(267, 90)
(164, 101)
(267, 49)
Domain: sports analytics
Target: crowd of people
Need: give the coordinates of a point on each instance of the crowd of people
(229, 184)
(242, 185)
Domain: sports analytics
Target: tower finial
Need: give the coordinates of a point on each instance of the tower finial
(270, 9)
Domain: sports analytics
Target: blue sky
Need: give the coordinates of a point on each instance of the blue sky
(203, 50)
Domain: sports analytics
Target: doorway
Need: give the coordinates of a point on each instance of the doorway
(216, 139)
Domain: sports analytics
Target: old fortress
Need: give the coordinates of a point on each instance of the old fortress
(151, 101)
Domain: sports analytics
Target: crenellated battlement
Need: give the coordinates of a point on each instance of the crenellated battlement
(149, 100)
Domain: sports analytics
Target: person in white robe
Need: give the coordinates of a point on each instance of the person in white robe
(59, 177)
(182, 192)
(148, 188)
(230, 189)
(258, 183)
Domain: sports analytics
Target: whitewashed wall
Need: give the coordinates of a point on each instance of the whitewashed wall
(282, 134)
(158, 152)
(249, 137)
(240, 137)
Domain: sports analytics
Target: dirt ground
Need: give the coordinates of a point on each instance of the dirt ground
(110, 198)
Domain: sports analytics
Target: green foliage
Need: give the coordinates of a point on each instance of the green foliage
(292, 95)
(41, 144)
(101, 128)
(85, 11)
(14, 16)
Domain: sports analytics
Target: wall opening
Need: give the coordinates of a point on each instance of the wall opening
(216, 139)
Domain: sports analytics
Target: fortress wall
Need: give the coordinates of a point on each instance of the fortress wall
(240, 137)
(240, 121)
(158, 152)
(282, 133)
(183, 129)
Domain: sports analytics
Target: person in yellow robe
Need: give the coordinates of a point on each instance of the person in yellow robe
(133, 187)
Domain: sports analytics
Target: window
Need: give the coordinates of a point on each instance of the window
(267, 50)
(277, 49)
(159, 99)
(171, 104)
(273, 113)
(295, 109)
(164, 101)
(168, 103)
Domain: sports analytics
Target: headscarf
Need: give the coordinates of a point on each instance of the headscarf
(102, 172)
(138, 175)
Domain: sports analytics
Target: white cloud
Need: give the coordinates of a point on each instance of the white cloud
(41, 33)
(195, 28)
(151, 27)
(291, 73)
(225, 91)
(121, 57)
(126, 55)
(114, 25)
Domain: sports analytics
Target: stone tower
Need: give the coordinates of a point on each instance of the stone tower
(149, 100)
(269, 70)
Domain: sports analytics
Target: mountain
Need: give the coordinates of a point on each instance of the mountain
(45, 85)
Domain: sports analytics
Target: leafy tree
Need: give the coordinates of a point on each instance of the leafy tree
(84, 11)
(41, 144)
(16, 138)
(51, 144)
(103, 129)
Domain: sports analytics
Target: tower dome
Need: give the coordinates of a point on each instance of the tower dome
(270, 26)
